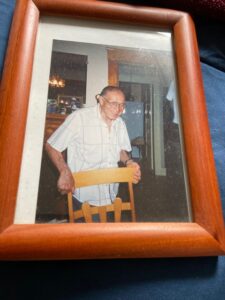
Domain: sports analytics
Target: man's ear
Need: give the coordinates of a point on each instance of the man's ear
(97, 97)
(100, 100)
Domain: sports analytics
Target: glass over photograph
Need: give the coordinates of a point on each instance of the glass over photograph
(110, 143)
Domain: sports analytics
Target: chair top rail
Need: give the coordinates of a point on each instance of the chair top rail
(103, 176)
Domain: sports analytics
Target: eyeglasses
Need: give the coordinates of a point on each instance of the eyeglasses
(115, 105)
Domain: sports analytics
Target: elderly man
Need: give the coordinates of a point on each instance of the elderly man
(95, 137)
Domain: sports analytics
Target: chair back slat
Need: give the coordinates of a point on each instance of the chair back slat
(87, 212)
(118, 209)
(102, 214)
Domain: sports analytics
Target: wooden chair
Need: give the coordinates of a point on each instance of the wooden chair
(103, 176)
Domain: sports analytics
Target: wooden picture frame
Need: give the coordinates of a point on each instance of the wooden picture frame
(202, 237)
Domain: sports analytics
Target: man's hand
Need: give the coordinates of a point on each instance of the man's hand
(66, 182)
(137, 173)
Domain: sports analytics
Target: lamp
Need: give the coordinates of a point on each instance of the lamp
(56, 81)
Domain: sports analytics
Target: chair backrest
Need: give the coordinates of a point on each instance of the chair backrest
(103, 176)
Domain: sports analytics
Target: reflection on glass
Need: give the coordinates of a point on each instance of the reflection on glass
(148, 80)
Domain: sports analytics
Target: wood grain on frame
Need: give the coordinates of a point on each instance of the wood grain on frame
(69, 241)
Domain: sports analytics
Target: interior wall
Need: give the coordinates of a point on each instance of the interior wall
(97, 78)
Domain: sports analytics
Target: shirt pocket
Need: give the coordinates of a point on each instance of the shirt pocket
(92, 145)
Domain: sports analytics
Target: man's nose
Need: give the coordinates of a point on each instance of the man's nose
(117, 108)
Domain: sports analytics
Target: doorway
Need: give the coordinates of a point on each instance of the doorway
(145, 78)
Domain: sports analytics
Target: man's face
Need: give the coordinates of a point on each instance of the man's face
(112, 104)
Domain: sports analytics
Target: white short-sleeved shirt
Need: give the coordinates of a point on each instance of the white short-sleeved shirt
(91, 145)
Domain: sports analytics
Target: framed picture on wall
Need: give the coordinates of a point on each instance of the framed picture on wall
(141, 67)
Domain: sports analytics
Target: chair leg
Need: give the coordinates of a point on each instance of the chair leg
(70, 208)
(87, 212)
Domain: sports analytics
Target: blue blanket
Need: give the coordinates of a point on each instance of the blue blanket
(187, 278)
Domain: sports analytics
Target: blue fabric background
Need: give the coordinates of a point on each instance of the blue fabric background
(178, 278)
